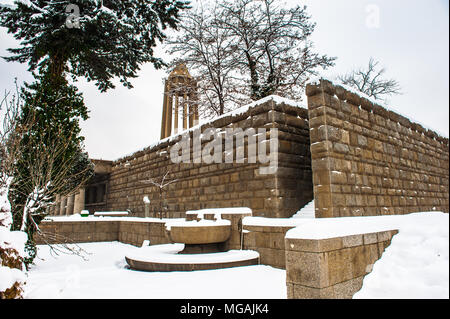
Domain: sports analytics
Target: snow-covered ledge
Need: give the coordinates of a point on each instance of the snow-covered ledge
(342, 257)
(331, 265)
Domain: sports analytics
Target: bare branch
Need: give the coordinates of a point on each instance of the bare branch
(370, 81)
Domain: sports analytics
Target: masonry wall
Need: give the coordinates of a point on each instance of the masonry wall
(332, 268)
(269, 242)
(127, 232)
(367, 160)
(134, 233)
(58, 232)
(199, 186)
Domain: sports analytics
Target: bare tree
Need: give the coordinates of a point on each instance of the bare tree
(207, 49)
(47, 176)
(245, 50)
(370, 81)
(11, 134)
(274, 48)
(10, 256)
(161, 185)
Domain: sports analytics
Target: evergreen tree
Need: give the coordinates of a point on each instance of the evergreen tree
(95, 39)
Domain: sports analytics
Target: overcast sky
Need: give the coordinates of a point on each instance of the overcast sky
(409, 38)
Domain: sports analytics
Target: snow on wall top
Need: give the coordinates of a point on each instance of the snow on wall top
(227, 210)
(239, 111)
(316, 81)
(323, 228)
(92, 218)
(195, 223)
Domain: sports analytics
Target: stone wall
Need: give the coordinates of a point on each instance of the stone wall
(332, 268)
(77, 231)
(223, 184)
(134, 233)
(126, 231)
(269, 242)
(367, 160)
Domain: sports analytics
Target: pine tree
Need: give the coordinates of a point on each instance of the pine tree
(95, 39)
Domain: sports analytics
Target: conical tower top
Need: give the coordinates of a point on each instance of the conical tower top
(180, 70)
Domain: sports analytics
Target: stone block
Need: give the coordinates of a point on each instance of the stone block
(339, 265)
(304, 292)
(307, 269)
(313, 245)
(352, 241)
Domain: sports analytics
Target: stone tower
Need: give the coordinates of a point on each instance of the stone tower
(180, 96)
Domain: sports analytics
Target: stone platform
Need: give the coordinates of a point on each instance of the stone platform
(167, 258)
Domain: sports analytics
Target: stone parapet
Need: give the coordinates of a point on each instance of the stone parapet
(367, 160)
(268, 241)
(215, 185)
(332, 268)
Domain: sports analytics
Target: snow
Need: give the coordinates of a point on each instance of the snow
(308, 211)
(278, 222)
(300, 218)
(92, 218)
(321, 228)
(105, 276)
(110, 213)
(13, 240)
(9, 276)
(168, 253)
(195, 223)
(227, 210)
(415, 265)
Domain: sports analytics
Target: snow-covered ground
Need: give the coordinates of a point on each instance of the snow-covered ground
(415, 265)
(105, 275)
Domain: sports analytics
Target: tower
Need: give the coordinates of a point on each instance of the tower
(179, 101)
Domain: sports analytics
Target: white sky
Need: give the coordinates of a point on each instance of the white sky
(411, 41)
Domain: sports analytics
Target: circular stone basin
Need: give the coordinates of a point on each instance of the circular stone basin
(203, 232)
(166, 257)
(199, 234)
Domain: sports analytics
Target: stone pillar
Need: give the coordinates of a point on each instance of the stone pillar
(62, 207)
(185, 116)
(164, 114)
(176, 115)
(79, 201)
(70, 204)
(169, 115)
